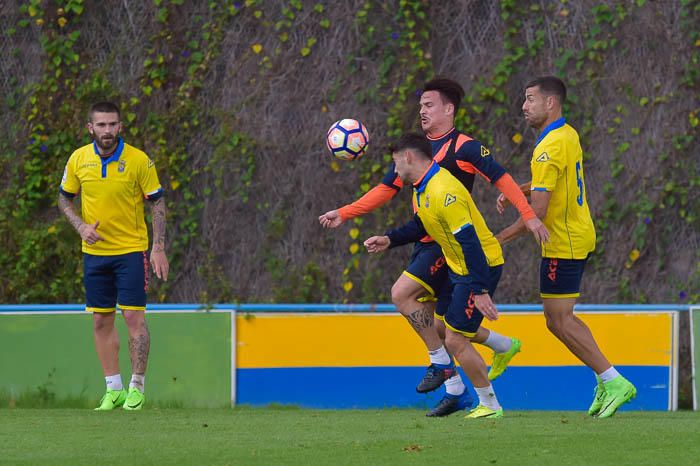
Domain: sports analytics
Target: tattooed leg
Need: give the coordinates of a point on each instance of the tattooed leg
(405, 294)
(139, 341)
(421, 318)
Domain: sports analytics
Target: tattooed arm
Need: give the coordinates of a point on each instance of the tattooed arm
(159, 261)
(88, 232)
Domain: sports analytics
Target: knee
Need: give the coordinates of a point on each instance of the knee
(135, 320)
(453, 342)
(398, 295)
(555, 324)
(103, 323)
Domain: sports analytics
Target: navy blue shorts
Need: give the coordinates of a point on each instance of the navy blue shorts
(112, 281)
(462, 317)
(561, 278)
(428, 268)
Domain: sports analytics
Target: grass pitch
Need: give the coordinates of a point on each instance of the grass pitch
(298, 436)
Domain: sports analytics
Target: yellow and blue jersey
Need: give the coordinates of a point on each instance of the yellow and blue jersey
(446, 211)
(557, 167)
(112, 191)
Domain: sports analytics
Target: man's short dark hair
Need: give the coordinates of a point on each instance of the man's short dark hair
(449, 90)
(415, 142)
(103, 107)
(550, 85)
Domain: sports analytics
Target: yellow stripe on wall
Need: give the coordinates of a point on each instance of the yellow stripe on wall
(359, 340)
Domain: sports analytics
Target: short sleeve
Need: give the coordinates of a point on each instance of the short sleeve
(546, 167)
(70, 184)
(455, 209)
(148, 180)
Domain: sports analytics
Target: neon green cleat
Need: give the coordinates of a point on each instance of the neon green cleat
(482, 411)
(134, 400)
(112, 399)
(598, 397)
(618, 391)
(501, 360)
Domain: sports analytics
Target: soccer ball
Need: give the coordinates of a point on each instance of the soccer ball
(347, 139)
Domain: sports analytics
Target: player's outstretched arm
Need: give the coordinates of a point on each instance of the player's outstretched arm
(159, 261)
(513, 193)
(371, 200)
(331, 219)
(502, 202)
(410, 232)
(377, 244)
(540, 203)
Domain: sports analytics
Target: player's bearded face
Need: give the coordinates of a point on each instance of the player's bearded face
(535, 107)
(104, 129)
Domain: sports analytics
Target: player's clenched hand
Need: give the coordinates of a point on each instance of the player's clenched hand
(501, 203)
(88, 232)
(484, 304)
(377, 244)
(330, 219)
(160, 264)
(538, 230)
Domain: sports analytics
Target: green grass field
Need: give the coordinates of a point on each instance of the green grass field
(298, 436)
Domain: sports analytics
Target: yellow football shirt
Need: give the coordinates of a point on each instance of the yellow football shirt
(557, 167)
(112, 191)
(445, 207)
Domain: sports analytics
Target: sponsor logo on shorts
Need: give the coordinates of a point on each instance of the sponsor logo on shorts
(439, 263)
(469, 310)
(552, 274)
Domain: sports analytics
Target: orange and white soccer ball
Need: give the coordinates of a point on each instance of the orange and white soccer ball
(347, 139)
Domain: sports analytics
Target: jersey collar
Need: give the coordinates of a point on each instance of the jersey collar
(551, 127)
(115, 155)
(419, 186)
(443, 136)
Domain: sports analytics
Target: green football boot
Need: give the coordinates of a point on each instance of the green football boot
(598, 397)
(134, 400)
(501, 360)
(112, 399)
(482, 411)
(618, 391)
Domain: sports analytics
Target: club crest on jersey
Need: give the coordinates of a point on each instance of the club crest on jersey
(543, 157)
(484, 151)
(450, 199)
(427, 200)
(122, 165)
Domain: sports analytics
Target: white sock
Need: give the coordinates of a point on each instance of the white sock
(609, 374)
(454, 385)
(440, 356)
(137, 381)
(487, 397)
(498, 343)
(114, 382)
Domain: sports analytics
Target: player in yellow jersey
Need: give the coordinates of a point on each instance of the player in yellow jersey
(445, 211)
(113, 179)
(558, 196)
